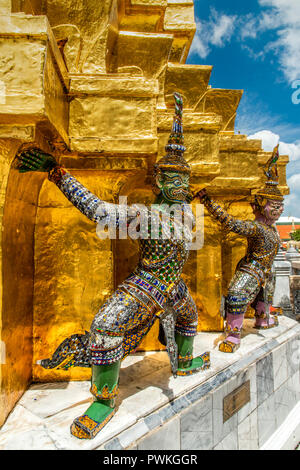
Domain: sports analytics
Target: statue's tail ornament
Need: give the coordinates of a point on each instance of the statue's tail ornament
(270, 190)
(72, 352)
(271, 171)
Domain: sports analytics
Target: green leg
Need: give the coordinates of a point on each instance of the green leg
(187, 364)
(104, 386)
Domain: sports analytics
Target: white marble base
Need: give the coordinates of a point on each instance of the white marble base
(286, 437)
(156, 411)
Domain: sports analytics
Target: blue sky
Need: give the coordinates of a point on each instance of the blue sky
(255, 46)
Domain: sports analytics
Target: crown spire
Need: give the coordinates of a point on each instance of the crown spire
(174, 159)
(271, 191)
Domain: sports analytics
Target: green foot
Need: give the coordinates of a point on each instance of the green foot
(195, 365)
(95, 418)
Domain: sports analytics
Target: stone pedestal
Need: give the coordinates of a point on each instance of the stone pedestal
(283, 270)
(293, 256)
(295, 290)
(295, 287)
(158, 412)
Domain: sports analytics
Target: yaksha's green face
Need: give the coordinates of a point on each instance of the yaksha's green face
(174, 186)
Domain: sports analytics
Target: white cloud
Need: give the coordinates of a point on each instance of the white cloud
(199, 47)
(270, 140)
(217, 31)
(294, 182)
(289, 40)
(282, 16)
(293, 150)
(291, 204)
(251, 26)
(254, 115)
(292, 201)
(222, 30)
(288, 9)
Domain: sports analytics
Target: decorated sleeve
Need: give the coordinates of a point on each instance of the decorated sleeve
(90, 205)
(246, 228)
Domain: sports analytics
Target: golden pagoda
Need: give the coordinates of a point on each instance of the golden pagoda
(92, 83)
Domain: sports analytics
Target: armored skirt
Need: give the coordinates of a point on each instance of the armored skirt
(245, 289)
(124, 319)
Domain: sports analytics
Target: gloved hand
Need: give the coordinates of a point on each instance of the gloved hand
(35, 160)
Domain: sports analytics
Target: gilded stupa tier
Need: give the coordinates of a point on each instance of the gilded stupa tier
(92, 82)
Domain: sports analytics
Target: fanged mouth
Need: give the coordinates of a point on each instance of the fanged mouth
(275, 215)
(179, 191)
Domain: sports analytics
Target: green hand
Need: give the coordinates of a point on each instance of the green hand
(35, 160)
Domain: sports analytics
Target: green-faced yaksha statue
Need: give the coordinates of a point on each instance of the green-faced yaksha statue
(154, 290)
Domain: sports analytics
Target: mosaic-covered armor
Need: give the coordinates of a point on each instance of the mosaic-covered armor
(154, 290)
(253, 282)
(129, 313)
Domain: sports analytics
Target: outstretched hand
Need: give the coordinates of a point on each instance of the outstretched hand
(35, 160)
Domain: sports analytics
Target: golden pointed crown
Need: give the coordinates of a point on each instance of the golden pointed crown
(174, 159)
(270, 190)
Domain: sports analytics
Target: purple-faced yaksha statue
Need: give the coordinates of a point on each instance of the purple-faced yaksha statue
(253, 281)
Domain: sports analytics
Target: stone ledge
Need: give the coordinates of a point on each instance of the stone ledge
(34, 27)
(152, 401)
(192, 121)
(113, 85)
(286, 437)
(127, 146)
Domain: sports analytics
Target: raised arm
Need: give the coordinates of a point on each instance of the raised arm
(89, 204)
(246, 228)
(85, 201)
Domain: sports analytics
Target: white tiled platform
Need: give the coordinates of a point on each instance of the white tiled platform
(157, 411)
